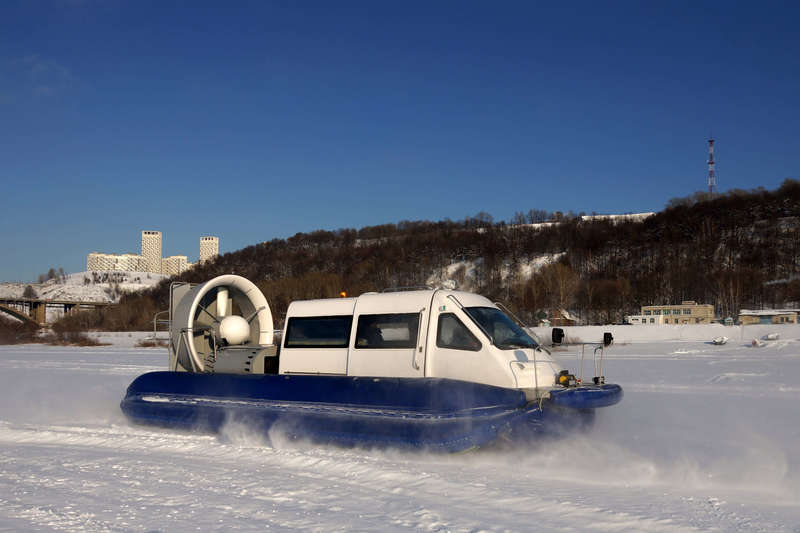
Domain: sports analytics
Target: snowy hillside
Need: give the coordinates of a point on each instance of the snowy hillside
(707, 438)
(86, 286)
(462, 275)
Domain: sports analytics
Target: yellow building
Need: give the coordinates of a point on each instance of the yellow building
(688, 312)
(768, 316)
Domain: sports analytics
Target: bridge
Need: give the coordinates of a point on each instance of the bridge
(34, 310)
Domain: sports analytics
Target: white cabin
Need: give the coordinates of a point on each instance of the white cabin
(420, 333)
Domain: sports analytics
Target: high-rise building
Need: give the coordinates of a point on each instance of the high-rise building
(209, 248)
(151, 250)
(174, 265)
(712, 175)
(130, 262)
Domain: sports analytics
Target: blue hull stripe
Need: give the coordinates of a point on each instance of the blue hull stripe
(430, 413)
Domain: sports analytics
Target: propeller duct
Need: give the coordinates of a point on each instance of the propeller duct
(227, 310)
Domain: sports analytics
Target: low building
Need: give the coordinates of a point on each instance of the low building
(768, 316)
(128, 262)
(654, 320)
(562, 317)
(688, 312)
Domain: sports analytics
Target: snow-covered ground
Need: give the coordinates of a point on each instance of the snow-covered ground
(91, 286)
(662, 332)
(707, 438)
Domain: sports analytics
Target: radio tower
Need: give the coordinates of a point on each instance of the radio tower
(712, 178)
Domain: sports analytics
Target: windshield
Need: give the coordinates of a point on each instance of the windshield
(504, 332)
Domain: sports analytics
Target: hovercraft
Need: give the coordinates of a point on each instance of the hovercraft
(422, 369)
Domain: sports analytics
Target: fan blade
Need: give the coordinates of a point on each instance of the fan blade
(222, 302)
(206, 311)
(251, 317)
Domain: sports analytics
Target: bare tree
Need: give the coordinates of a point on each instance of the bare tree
(564, 283)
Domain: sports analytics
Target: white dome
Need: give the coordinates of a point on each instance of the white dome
(234, 329)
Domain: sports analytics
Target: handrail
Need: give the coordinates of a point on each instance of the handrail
(598, 369)
(459, 304)
(156, 321)
(414, 363)
(598, 363)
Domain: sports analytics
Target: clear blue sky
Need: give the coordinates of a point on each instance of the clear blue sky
(257, 120)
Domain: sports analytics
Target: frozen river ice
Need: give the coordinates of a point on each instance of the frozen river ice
(707, 438)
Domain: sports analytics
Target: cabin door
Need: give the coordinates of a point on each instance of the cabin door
(388, 344)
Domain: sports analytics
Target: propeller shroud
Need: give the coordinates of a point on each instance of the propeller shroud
(196, 319)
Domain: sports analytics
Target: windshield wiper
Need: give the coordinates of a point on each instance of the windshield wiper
(514, 345)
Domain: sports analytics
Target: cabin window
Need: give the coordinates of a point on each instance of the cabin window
(452, 333)
(387, 331)
(318, 332)
(647, 313)
(501, 330)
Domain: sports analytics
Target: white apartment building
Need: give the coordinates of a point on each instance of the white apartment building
(209, 248)
(151, 251)
(129, 262)
(174, 265)
(150, 259)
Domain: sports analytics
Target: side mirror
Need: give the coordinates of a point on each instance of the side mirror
(608, 338)
(558, 335)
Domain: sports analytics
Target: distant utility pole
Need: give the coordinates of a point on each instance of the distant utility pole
(712, 178)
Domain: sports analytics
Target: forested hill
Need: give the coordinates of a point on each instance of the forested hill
(739, 250)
